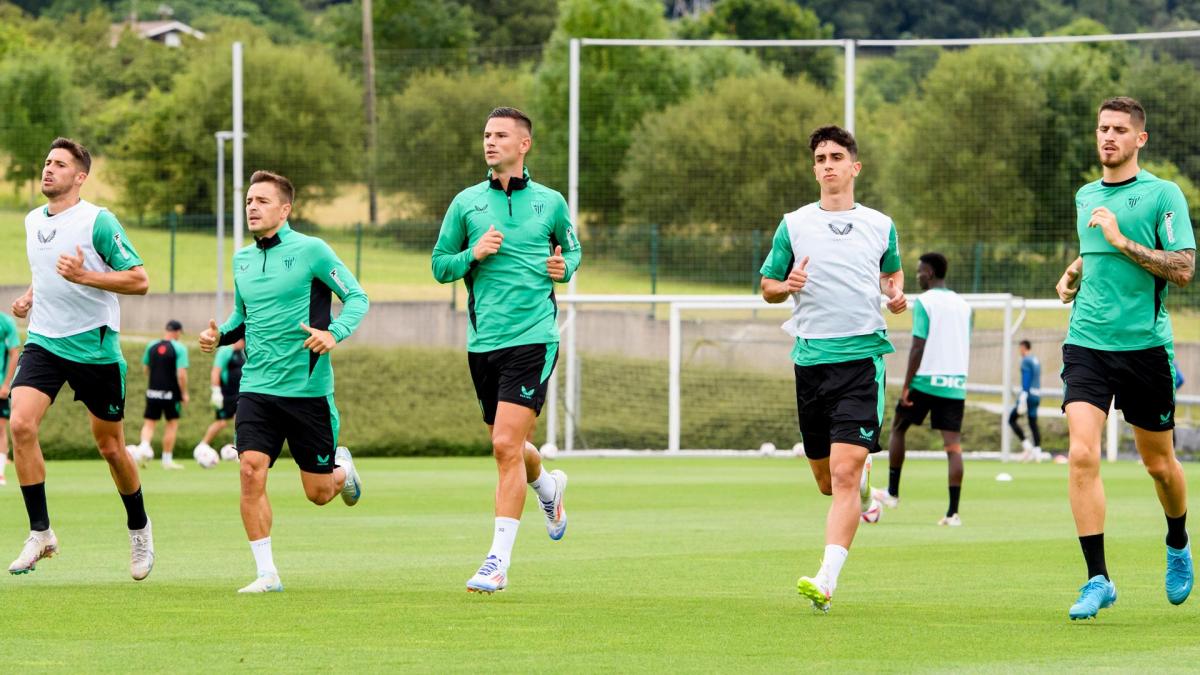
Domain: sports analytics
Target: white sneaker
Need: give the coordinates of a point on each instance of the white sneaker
(1027, 454)
(555, 512)
(491, 577)
(885, 498)
(144, 453)
(267, 582)
(352, 489)
(171, 465)
(141, 552)
(815, 590)
(864, 486)
(951, 521)
(1040, 455)
(39, 545)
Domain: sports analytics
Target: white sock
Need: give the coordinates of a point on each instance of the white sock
(831, 565)
(504, 538)
(168, 457)
(261, 548)
(544, 485)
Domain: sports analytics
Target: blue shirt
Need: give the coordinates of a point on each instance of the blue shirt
(1031, 374)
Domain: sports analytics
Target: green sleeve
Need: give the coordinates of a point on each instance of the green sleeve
(452, 257)
(1174, 223)
(564, 234)
(781, 257)
(326, 266)
(181, 354)
(224, 353)
(146, 354)
(920, 320)
(891, 257)
(12, 338)
(111, 242)
(237, 317)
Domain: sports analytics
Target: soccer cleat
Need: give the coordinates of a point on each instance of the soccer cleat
(490, 578)
(39, 545)
(1097, 594)
(873, 512)
(864, 486)
(1040, 455)
(1027, 454)
(951, 521)
(884, 498)
(352, 488)
(141, 552)
(816, 592)
(1179, 574)
(171, 465)
(267, 582)
(556, 513)
(143, 452)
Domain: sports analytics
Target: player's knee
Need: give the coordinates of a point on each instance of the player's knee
(508, 446)
(23, 428)
(1084, 458)
(845, 478)
(112, 452)
(1160, 469)
(251, 473)
(319, 494)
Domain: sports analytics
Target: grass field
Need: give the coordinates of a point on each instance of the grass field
(668, 566)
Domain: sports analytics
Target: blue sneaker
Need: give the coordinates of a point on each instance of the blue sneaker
(1179, 573)
(1097, 594)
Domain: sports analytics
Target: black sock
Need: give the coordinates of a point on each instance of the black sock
(1177, 536)
(135, 510)
(35, 506)
(955, 490)
(894, 482)
(1093, 554)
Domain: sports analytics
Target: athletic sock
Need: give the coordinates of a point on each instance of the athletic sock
(503, 539)
(894, 482)
(1177, 536)
(1093, 554)
(544, 485)
(831, 565)
(35, 506)
(261, 548)
(955, 491)
(168, 457)
(135, 510)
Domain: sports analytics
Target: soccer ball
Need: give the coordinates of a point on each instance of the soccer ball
(798, 449)
(549, 451)
(229, 453)
(140, 453)
(767, 448)
(874, 510)
(206, 456)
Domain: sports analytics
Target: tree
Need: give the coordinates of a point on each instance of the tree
(38, 101)
(1170, 92)
(513, 23)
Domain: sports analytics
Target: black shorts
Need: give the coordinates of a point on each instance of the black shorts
(947, 412)
(101, 386)
(840, 403)
(514, 375)
(5, 408)
(308, 424)
(160, 408)
(1141, 381)
(229, 409)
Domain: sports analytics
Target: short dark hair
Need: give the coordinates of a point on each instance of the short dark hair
(937, 262)
(1026, 344)
(286, 191)
(1126, 104)
(837, 135)
(174, 325)
(77, 151)
(513, 114)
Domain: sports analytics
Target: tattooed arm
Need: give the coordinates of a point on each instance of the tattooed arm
(1177, 267)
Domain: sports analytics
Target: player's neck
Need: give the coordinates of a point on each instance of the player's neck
(837, 201)
(62, 202)
(1122, 172)
(504, 175)
(271, 232)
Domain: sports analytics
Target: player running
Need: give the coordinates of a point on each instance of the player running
(283, 295)
(226, 378)
(165, 362)
(10, 350)
(1135, 236)
(1027, 404)
(510, 240)
(833, 257)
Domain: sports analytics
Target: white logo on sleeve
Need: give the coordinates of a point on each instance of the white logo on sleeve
(1169, 226)
(333, 274)
(120, 245)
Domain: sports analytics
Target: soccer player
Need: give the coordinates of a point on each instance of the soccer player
(1027, 404)
(936, 379)
(284, 285)
(833, 258)
(1135, 237)
(510, 240)
(166, 364)
(226, 380)
(10, 350)
(81, 260)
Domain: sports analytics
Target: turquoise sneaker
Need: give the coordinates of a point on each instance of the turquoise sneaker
(1097, 594)
(1179, 574)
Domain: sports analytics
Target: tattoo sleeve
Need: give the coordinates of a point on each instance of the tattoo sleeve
(1177, 267)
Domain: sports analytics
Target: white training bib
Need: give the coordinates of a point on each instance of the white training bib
(948, 345)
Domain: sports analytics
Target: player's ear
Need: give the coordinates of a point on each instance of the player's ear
(286, 210)
(1142, 137)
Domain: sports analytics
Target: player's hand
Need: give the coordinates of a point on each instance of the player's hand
(905, 401)
(4, 391)
(897, 301)
(70, 267)
(209, 337)
(1068, 286)
(1107, 222)
(1023, 403)
(319, 341)
(185, 398)
(22, 305)
(488, 244)
(217, 399)
(556, 265)
(798, 277)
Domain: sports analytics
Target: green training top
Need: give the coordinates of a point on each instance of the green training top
(279, 282)
(1120, 306)
(510, 296)
(11, 338)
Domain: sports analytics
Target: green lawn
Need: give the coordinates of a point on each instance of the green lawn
(682, 565)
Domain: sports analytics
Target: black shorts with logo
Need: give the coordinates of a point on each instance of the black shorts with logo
(947, 412)
(101, 386)
(514, 375)
(308, 424)
(840, 403)
(157, 408)
(1140, 380)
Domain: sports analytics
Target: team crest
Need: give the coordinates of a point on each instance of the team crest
(538, 207)
(1132, 201)
(46, 239)
(289, 261)
(842, 229)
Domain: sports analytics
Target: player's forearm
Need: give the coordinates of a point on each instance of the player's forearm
(181, 375)
(773, 290)
(450, 267)
(896, 280)
(572, 260)
(215, 377)
(354, 308)
(915, 355)
(133, 281)
(13, 355)
(1177, 267)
